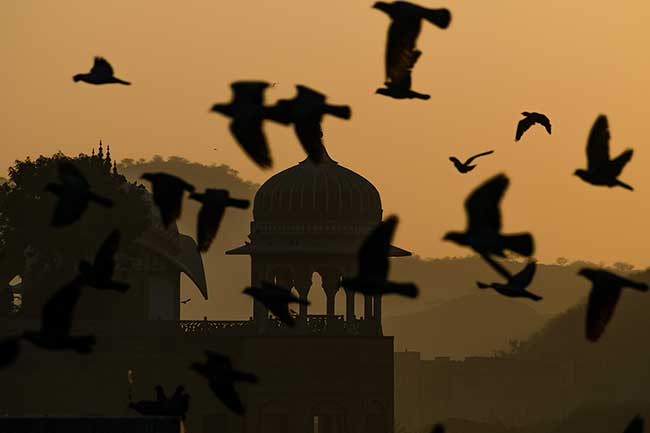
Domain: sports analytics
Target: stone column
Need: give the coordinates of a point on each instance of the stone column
(302, 282)
(331, 285)
(367, 307)
(377, 307)
(349, 306)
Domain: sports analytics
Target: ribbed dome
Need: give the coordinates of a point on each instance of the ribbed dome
(317, 193)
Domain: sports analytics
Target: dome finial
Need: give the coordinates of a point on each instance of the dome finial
(100, 154)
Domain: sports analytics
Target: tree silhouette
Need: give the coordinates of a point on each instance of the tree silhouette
(46, 257)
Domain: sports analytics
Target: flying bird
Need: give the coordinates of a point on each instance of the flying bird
(99, 274)
(465, 167)
(101, 73)
(372, 276)
(186, 301)
(221, 379)
(605, 293)
(247, 111)
(305, 111)
(214, 203)
(601, 170)
(168, 194)
(401, 54)
(529, 120)
(635, 426)
(73, 195)
(483, 233)
(516, 285)
(276, 299)
(56, 323)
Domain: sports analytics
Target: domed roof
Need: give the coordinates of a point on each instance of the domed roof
(317, 193)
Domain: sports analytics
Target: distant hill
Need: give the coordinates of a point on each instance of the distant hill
(474, 324)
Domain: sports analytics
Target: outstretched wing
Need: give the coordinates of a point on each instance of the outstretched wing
(523, 126)
(482, 206)
(544, 121)
(373, 254)
(249, 92)
(598, 144)
(525, 277)
(247, 130)
(620, 161)
(469, 161)
(71, 176)
(105, 258)
(401, 54)
(600, 309)
(57, 312)
(102, 67)
(210, 217)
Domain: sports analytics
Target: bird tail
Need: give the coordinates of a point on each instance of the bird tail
(340, 111)
(101, 200)
(534, 297)
(624, 185)
(416, 95)
(482, 285)
(126, 83)
(409, 290)
(438, 17)
(521, 244)
(83, 345)
(280, 112)
(241, 204)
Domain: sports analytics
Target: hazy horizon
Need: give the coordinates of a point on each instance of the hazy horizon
(569, 60)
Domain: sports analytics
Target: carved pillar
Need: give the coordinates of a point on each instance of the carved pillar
(367, 307)
(302, 282)
(331, 284)
(349, 306)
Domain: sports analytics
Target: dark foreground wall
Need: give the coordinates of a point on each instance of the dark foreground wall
(17, 424)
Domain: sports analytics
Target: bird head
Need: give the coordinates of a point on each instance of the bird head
(525, 113)
(148, 176)
(77, 77)
(221, 108)
(197, 196)
(383, 91)
(382, 6)
(586, 272)
(580, 173)
(457, 237)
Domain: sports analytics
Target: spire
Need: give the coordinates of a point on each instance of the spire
(108, 156)
(115, 168)
(93, 154)
(100, 154)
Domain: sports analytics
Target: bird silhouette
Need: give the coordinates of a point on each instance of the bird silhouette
(73, 195)
(635, 426)
(516, 285)
(529, 120)
(56, 323)
(99, 274)
(602, 171)
(305, 111)
(465, 167)
(372, 276)
(214, 203)
(605, 293)
(168, 194)
(276, 299)
(221, 379)
(162, 406)
(401, 54)
(186, 301)
(101, 73)
(483, 233)
(247, 111)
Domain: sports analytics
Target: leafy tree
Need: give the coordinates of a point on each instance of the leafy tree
(47, 257)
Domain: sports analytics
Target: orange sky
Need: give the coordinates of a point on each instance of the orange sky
(571, 59)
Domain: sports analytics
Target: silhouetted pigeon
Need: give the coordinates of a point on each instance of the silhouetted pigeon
(214, 203)
(168, 194)
(401, 55)
(372, 276)
(221, 379)
(465, 167)
(605, 292)
(276, 299)
(101, 73)
(99, 274)
(56, 322)
(635, 426)
(305, 111)
(529, 120)
(248, 112)
(516, 285)
(74, 194)
(483, 233)
(601, 170)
